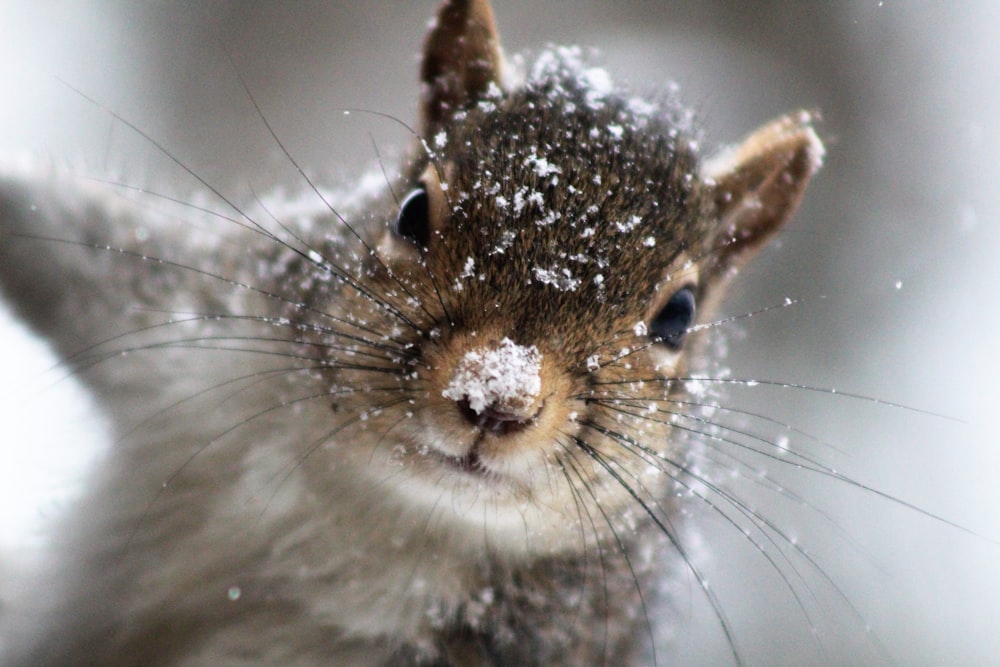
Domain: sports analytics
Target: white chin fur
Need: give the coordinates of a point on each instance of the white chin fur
(488, 511)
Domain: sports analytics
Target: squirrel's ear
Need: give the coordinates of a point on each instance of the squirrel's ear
(755, 187)
(462, 58)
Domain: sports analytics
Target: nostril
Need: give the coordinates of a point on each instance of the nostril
(495, 420)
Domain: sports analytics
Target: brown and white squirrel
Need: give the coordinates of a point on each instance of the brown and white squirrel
(440, 430)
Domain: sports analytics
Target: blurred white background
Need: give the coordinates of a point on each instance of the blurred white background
(895, 251)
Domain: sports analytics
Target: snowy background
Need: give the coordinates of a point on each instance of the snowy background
(895, 251)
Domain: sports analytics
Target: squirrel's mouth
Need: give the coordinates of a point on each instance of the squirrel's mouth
(476, 464)
(469, 464)
(491, 424)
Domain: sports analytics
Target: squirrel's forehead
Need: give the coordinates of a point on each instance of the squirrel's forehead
(551, 145)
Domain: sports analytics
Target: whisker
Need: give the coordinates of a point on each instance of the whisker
(289, 468)
(381, 165)
(674, 541)
(298, 305)
(258, 376)
(787, 303)
(756, 518)
(755, 382)
(784, 425)
(322, 261)
(649, 456)
(198, 452)
(565, 466)
(323, 198)
(801, 460)
(324, 264)
(84, 355)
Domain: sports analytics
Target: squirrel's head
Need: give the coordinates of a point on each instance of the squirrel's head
(560, 246)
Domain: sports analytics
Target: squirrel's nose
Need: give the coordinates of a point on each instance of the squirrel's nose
(497, 387)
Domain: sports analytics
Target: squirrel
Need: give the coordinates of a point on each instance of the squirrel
(444, 428)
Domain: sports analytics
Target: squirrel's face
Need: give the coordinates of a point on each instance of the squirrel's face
(551, 298)
(539, 287)
(523, 325)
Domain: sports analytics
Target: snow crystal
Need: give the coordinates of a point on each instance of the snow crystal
(506, 241)
(641, 107)
(505, 378)
(632, 223)
(494, 91)
(563, 63)
(561, 279)
(523, 197)
(696, 387)
(598, 80)
(440, 139)
(640, 328)
(541, 166)
(548, 219)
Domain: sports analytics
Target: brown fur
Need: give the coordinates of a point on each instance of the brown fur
(392, 527)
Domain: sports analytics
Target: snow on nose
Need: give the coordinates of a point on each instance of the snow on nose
(502, 381)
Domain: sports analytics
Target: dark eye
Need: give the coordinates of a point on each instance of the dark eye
(413, 222)
(671, 324)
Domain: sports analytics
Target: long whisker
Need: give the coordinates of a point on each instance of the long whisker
(674, 541)
(599, 459)
(577, 487)
(198, 452)
(312, 185)
(649, 456)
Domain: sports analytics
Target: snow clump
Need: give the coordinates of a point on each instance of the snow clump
(506, 378)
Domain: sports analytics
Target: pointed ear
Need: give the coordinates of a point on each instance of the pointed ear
(754, 188)
(462, 58)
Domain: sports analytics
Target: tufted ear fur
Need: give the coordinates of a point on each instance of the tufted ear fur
(462, 58)
(755, 187)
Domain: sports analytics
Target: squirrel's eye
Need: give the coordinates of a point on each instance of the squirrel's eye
(413, 222)
(671, 324)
